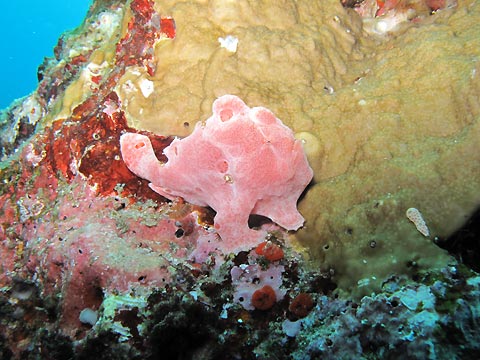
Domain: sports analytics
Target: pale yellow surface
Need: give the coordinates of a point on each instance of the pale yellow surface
(388, 124)
(99, 33)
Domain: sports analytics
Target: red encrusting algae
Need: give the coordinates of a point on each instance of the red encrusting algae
(270, 251)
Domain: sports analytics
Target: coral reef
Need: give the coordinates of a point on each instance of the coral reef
(384, 118)
(403, 321)
(93, 261)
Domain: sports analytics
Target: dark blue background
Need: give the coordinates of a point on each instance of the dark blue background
(31, 29)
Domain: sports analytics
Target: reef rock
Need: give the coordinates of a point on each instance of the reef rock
(386, 107)
(388, 121)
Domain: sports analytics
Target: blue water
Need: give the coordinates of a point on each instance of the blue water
(33, 29)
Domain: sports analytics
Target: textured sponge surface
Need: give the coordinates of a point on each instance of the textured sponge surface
(241, 161)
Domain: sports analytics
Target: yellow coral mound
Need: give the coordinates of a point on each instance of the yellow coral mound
(388, 123)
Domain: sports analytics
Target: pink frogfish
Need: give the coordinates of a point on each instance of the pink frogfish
(241, 161)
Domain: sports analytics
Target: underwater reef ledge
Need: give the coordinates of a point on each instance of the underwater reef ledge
(375, 105)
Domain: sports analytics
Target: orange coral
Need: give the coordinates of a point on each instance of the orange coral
(270, 251)
(264, 298)
(301, 305)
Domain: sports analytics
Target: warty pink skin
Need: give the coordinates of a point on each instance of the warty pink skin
(241, 161)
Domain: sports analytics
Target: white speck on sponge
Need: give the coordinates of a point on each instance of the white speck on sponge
(229, 42)
(146, 86)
